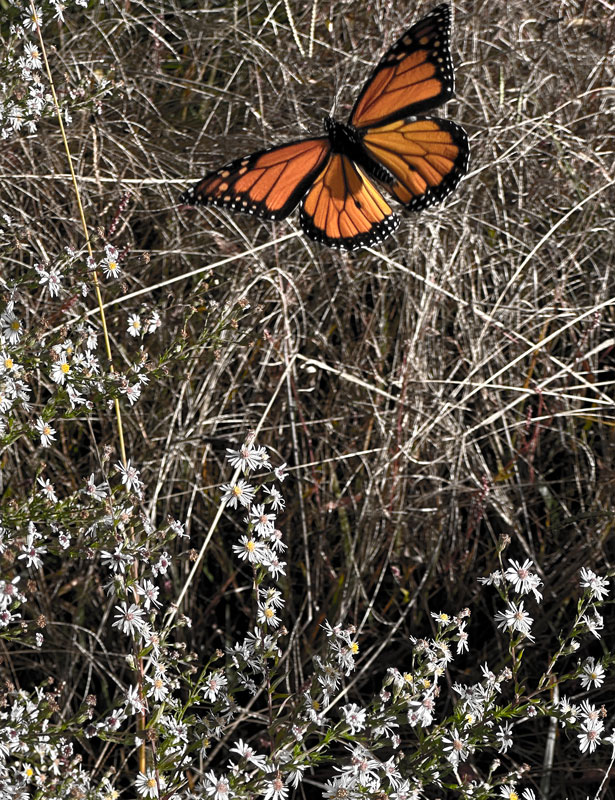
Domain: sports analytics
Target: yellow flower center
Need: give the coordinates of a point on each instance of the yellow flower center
(65, 368)
(8, 362)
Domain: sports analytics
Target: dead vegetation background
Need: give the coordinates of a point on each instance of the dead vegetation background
(429, 397)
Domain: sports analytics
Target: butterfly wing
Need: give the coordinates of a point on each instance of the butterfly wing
(344, 209)
(268, 184)
(414, 76)
(428, 157)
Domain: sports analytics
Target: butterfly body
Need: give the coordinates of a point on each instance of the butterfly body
(420, 160)
(347, 140)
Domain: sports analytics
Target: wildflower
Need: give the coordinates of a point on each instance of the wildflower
(462, 641)
(276, 542)
(392, 773)
(591, 713)
(363, 766)
(158, 688)
(153, 322)
(10, 326)
(504, 737)
(240, 492)
(589, 738)
(593, 674)
(251, 549)
(596, 584)
(96, 492)
(280, 472)
(34, 19)
(162, 565)
(6, 617)
(6, 363)
(594, 623)
(455, 747)
(9, 592)
(177, 526)
(129, 619)
(31, 552)
(214, 684)
(110, 267)
(133, 393)
(33, 56)
(568, 709)
(272, 597)
(115, 719)
(116, 561)
(267, 616)
(509, 792)
(516, 618)
(134, 325)
(275, 498)
(60, 371)
(46, 431)
(76, 398)
(276, 790)
(343, 787)
(263, 523)
(354, 717)
(133, 701)
(59, 8)
(441, 618)
(420, 712)
(522, 579)
(130, 476)
(246, 457)
(149, 592)
(51, 280)
(218, 788)
(146, 784)
(404, 792)
(47, 489)
(494, 579)
(244, 750)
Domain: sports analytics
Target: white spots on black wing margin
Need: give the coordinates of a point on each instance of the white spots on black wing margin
(378, 233)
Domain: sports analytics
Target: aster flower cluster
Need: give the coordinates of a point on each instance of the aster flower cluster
(24, 100)
(403, 743)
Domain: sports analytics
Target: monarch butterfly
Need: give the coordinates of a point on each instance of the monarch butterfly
(420, 160)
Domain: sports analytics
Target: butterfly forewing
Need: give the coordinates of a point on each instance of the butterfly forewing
(269, 184)
(414, 76)
(428, 156)
(344, 209)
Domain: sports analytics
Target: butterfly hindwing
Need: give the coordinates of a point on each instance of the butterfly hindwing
(269, 183)
(414, 76)
(427, 156)
(344, 209)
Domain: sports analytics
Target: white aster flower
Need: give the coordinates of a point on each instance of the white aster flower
(592, 675)
(515, 618)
